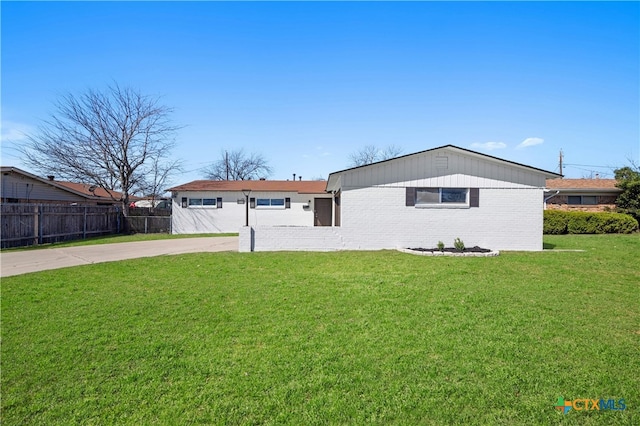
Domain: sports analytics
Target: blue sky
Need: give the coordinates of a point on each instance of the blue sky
(306, 84)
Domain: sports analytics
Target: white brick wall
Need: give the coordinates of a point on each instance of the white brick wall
(245, 239)
(284, 238)
(377, 218)
(197, 220)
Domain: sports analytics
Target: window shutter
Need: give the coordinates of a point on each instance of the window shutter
(287, 203)
(410, 197)
(219, 202)
(252, 203)
(474, 197)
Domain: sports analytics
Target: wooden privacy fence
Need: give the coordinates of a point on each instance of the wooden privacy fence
(144, 220)
(30, 224)
(149, 224)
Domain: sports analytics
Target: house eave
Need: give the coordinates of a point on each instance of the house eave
(584, 190)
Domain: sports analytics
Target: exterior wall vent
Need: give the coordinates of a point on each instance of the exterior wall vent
(442, 162)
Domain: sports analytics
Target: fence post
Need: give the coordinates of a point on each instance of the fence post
(84, 224)
(40, 224)
(36, 223)
(145, 224)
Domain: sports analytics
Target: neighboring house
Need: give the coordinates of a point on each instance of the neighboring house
(148, 203)
(207, 206)
(581, 194)
(419, 199)
(18, 186)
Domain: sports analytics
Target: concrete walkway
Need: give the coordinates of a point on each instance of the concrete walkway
(22, 262)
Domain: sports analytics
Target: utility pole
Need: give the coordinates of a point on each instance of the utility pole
(560, 163)
(226, 162)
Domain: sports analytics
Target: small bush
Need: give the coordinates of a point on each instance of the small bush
(565, 222)
(458, 244)
(440, 246)
(555, 222)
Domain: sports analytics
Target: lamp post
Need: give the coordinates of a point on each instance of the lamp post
(246, 193)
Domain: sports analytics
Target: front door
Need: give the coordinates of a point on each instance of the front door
(322, 211)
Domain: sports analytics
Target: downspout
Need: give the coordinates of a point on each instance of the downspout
(549, 197)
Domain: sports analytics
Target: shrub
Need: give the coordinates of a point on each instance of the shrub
(564, 222)
(555, 222)
(458, 244)
(440, 246)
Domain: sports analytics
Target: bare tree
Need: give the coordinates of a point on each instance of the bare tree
(117, 139)
(371, 154)
(237, 165)
(159, 178)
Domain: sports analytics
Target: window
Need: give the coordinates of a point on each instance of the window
(589, 200)
(453, 195)
(204, 202)
(443, 197)
(582, 200)
(428, 196)
(275, 203)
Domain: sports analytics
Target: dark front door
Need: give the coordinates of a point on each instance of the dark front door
(322, 211)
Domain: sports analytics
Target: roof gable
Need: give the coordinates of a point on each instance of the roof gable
(446, 160)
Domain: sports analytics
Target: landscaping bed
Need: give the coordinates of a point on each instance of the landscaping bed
(451, 251)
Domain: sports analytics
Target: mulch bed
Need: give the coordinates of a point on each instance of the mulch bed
(474, 249)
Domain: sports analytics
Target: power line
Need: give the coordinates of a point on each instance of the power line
(589, 165)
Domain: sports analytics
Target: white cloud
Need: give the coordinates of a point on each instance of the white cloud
(14, 132)
(489, 145)
(530, 142)
(320, 151)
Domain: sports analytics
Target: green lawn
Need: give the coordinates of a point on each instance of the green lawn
(327, 338)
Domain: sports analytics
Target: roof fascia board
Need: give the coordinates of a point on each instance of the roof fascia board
(586, 190)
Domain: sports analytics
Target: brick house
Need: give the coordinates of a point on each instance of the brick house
(591, 195)
(419, 199)
(209, 206)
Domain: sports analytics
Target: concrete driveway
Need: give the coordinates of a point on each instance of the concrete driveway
(22, 262)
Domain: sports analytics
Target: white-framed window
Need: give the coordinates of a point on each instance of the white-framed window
(207, 203)
(442, 197)
(435, 196)
(270, 203)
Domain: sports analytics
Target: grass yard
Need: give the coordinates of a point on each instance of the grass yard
(327, 338)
